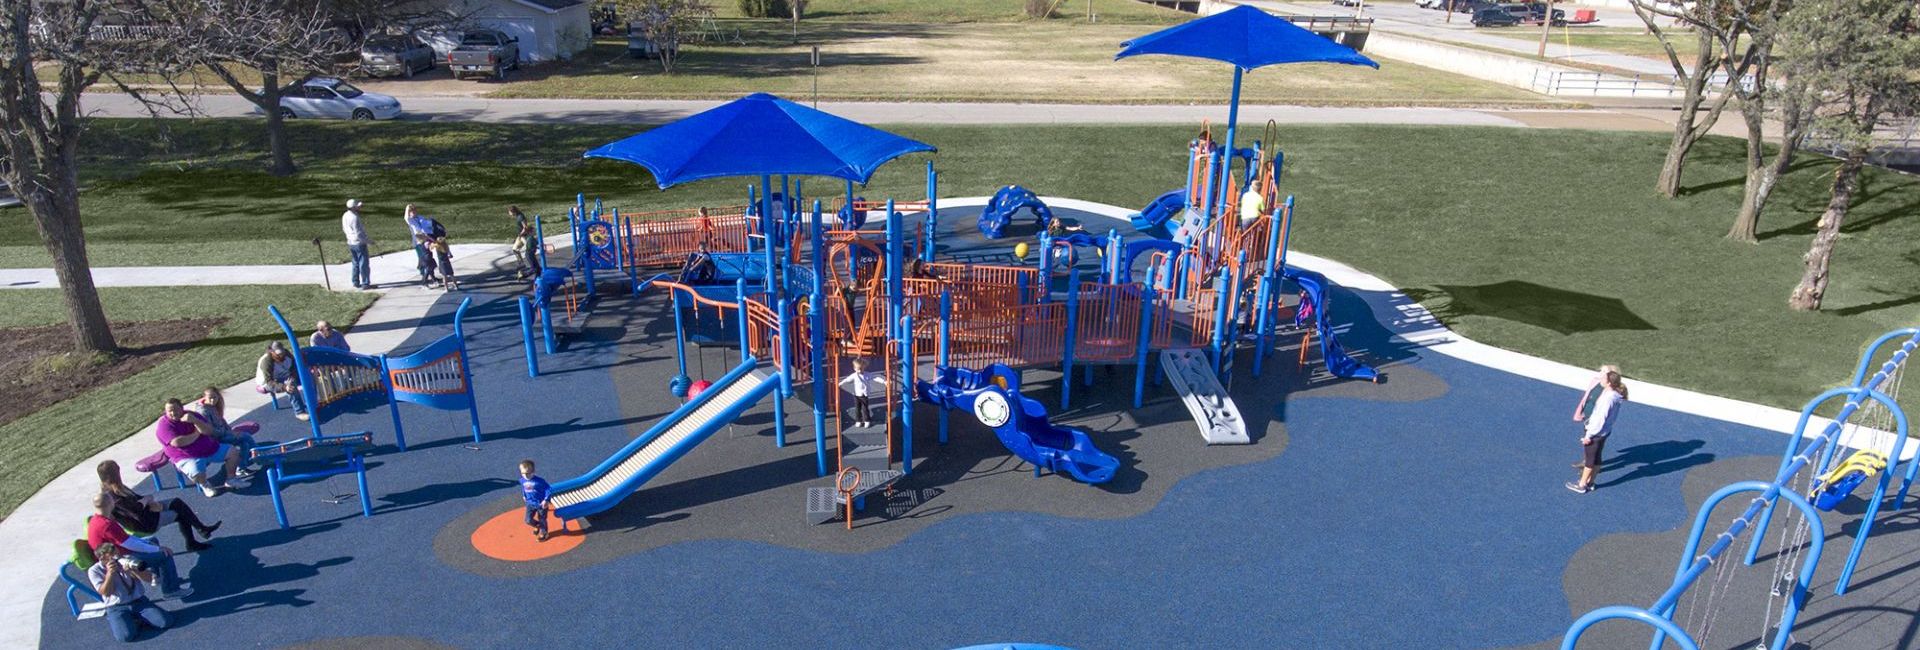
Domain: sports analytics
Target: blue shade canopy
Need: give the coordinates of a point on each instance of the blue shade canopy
(1246, 37)
(760, 135)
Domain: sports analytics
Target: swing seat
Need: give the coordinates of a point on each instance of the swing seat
(1834, 487)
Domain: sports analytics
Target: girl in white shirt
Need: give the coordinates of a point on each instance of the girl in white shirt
(860, 383)
(1599, 424)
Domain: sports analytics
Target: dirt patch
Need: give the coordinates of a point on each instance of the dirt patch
(40, 372)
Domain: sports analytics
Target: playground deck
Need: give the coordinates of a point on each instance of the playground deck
(1425, 511)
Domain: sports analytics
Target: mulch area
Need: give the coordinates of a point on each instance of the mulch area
(36, 377)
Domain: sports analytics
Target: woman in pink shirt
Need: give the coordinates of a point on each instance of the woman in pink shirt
(189, 443)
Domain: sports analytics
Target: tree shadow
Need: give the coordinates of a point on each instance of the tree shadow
(1528, 303)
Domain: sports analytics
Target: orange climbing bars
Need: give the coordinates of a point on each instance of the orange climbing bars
(664, 239)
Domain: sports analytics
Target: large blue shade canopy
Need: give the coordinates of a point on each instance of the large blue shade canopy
(760, 135)
(1246, 37)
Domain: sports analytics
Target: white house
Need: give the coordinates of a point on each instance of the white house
(547, 29)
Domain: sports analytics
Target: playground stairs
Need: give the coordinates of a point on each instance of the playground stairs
(1213, 410)
(863, 449)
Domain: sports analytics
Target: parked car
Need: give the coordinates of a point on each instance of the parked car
(1430, 4)
(330, 97)
(1471, 7)
(1495, 17)
(1531, 12)
(1347, 3)
(487, 52)
(386, 56)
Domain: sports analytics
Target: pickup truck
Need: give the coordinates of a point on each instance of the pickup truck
(487, 52)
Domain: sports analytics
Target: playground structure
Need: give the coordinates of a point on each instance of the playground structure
(1810, 480)
(334, 382)
(805, 293)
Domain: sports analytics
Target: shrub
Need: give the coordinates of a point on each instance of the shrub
(764, 8)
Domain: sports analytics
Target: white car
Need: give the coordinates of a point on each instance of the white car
(330, 97)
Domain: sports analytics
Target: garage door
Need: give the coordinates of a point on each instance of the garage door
(524, 30)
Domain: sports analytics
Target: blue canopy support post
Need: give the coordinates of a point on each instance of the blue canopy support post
(848, 206)
(1045, 264)
(782, 348)
(526, 336)
(740, 297)
(906, 392)
(753, 210)
(1221, 300)
(1233, 123)
(1141, 358)
(1072, 332)
(680, 383)
(1286, 232)
(769, 234)
(818, 339)
(946, 342)
(895, 253)
(466, 370)
(1022, 289)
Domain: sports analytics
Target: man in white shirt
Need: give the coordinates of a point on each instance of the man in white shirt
(357, 242)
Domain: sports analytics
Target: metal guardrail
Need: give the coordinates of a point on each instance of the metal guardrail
(1336, 24)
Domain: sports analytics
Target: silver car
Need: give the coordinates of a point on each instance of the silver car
(330, 97)
(387, 56)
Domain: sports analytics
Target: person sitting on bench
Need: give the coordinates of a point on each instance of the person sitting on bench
(190, 444)
(144, 513)
(275, 374)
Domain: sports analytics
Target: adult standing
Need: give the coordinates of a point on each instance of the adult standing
(527, 243)
(357, 243)
(1606, 397)
(420, 230)
(191, 445)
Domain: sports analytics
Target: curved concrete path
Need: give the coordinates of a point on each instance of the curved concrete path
(393, 318)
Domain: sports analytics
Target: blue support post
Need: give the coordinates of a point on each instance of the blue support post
(740, 295)
(1233, 123)
(1113, 258)
(1218, 345)
(393, 407)
(767, 231)
(895, 252)
(818, 336)
(539, 233)
(906, 392)
(1286, 232)
(546, 329)
(849, 203)
(681, 383)
(785, 362)
(305, 376)
(1045, 264)
(946, 337)
(1072, 333)
(526, 336)
(754, 210)
(1263, 295)
(1141, 359)
(466, 369)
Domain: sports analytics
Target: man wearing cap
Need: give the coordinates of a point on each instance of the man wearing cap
(357, 242)
(276, 374)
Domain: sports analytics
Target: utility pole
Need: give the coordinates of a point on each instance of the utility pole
(1546, 27)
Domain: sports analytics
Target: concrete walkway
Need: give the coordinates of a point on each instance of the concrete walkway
(388, 270)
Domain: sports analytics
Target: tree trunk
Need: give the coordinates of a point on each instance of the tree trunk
(1812, 289)
(1685, 132)
(55, 206)
(282, 163)
(1753, 195)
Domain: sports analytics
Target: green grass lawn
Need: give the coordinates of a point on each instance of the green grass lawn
(1437, 210)
(35, 448)
(1058, 61)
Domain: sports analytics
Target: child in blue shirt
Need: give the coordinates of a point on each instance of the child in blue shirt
(534, 489)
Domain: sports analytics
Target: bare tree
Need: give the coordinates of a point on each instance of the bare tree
(262, 49)
(665, 21)
(1857, 58)
(1700, 104)
(40, 130)
(1762, 22)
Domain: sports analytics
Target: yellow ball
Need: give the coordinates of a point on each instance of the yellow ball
(1020, 250)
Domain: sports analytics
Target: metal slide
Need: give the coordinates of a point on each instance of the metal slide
(607, 484)
(1213, 411)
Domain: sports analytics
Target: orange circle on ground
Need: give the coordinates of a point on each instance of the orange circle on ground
(508, 537)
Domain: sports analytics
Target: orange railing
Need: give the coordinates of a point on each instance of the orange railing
(1108, 322)
(665, 239)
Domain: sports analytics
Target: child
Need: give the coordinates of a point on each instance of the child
(1597, 408)
(861, 382)
(443, 255)
(534, 489)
